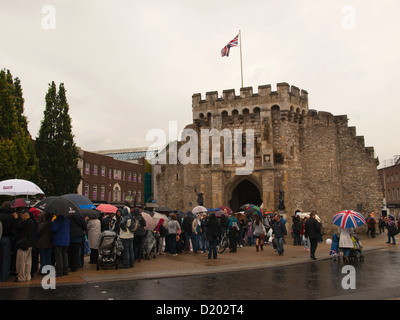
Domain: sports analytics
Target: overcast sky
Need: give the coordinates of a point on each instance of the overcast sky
(130, 66)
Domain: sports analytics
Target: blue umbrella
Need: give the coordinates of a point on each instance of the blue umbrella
(80, 200)
(348, 219)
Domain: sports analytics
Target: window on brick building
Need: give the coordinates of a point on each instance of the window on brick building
(129, 176)
(94, 192)
(95, 169)
(140, 178)
(102, 192)
(134, 177)
(87, 168)
(103, 171)
(86, 191)
(109, 174)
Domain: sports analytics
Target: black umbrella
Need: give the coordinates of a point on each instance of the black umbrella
(163, 209)
(82, 201)
(90, 213)
(58, 206)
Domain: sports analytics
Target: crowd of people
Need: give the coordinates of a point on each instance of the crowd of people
(32, 239)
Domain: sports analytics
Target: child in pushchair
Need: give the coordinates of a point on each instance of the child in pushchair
(109, 250)
(335, 252)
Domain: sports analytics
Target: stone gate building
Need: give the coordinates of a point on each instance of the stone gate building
(303, 159)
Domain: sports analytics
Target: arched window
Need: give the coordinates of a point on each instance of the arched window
(257, 116)
(246, 114)
(224, 116)
(235, 115)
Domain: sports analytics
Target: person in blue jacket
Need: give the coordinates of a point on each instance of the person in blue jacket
(233, 227)
(61, 239)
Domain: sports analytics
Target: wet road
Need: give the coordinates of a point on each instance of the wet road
(375, 278)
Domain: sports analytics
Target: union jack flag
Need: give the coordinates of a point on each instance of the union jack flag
(233, 43)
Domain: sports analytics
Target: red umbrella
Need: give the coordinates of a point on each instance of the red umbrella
(21, 203)
(107, 208)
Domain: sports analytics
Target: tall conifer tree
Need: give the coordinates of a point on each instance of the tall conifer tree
(55, 147)
(17, 154)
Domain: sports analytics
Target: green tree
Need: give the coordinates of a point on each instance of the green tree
(55, 147)
(17, 154)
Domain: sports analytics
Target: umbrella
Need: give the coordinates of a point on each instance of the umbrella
(107, 208)
(199, 209)
(14, 187)
(157, 216)
(240, 216)
(163, 209)
(348, 219)
(246, 206)
(150, 223)
(21, 203)
(228, 210)
(90, 213)
(58, 206)
(269, 213)
(82, 201)
(256, 209)
(307, 215)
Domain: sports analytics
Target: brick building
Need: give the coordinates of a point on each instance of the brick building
(389, 177)
(105, 179)
(302, 159)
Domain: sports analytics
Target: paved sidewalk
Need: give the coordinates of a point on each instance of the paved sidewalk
(188, 263)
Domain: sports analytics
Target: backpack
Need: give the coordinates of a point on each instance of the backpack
(134, 225)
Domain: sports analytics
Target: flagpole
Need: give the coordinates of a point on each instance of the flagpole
(241, 63)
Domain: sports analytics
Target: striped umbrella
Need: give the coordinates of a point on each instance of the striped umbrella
(348, 219)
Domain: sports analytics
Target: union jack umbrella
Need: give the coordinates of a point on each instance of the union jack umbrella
(348, 219)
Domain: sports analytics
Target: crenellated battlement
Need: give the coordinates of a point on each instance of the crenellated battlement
(286, 97)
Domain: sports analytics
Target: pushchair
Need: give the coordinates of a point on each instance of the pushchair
(108, 248)
(356, 252)
(149, 244)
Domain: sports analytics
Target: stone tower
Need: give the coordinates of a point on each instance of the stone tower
(302, 159)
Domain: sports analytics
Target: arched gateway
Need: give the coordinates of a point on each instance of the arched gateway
(242, 191)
